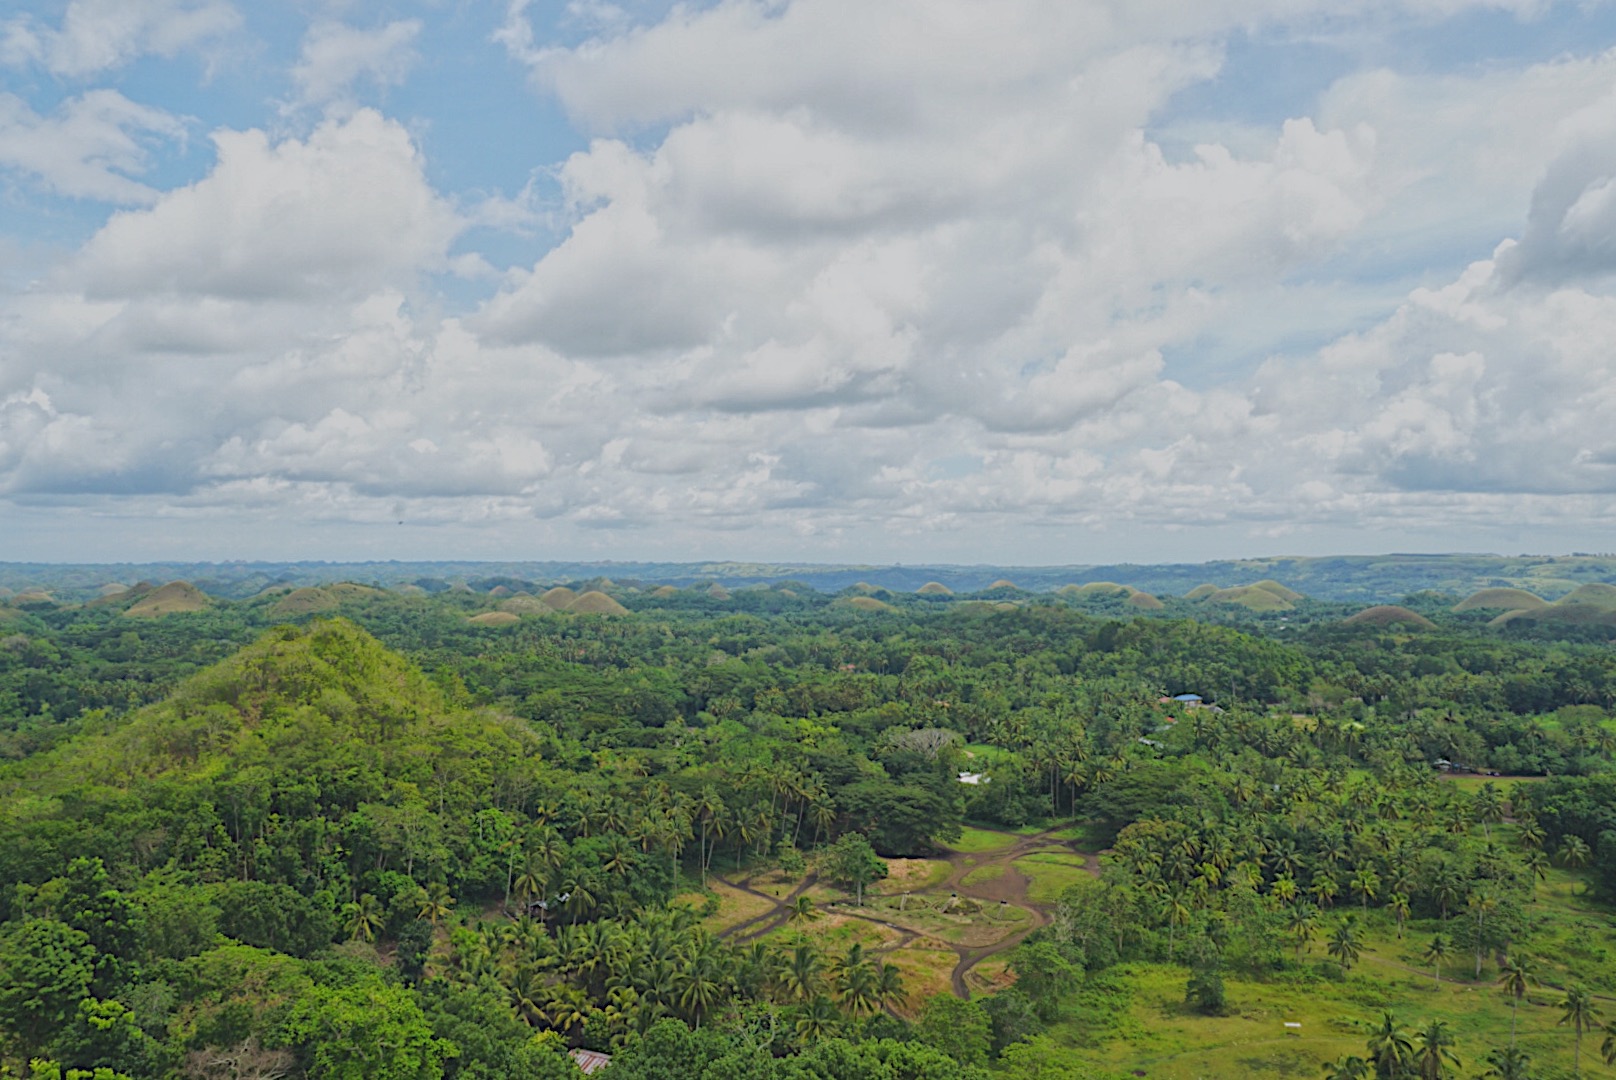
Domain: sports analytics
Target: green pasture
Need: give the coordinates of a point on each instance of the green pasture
(1050, 873)
(975, 841)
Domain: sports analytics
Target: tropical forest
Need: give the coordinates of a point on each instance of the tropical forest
(531, 828)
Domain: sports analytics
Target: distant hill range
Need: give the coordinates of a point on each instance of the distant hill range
(1369, 579)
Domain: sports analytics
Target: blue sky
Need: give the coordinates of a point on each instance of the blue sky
(1033, 281)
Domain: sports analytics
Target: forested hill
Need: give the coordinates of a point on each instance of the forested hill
(1347, 578)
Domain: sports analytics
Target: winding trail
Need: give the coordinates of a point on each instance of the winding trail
(1008, 888)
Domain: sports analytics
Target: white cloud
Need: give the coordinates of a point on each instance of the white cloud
(343, 212)
(335, 56)
(97, 35)
(90, 147)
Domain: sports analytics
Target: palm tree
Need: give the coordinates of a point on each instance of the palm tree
(1434, 1054)
(802, 910)
(1573, 852)
(1482, 903)
(816, 1020)
(699, 985)
(802, 974)
(1390, 1048)
(532, 880)
(1607, 1049)
(856, 987)
(1324, 888)
(1284, 889)
(436, 904)
(1398, 902)
(1178, 913)
(1344, 944)
(1488, 807)
(365, 918)
(1350, 1067)
(1531, 834)
(1516, 976)
(1509, 1063)
(1579, 1010)
(888, 985)
(1299, 925)
(1366, 883)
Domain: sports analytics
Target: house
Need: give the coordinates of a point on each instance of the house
(973, 778)
(590, 1060)
(1189, 701)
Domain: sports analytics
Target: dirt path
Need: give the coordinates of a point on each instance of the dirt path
(775, 917)
(1008, 888)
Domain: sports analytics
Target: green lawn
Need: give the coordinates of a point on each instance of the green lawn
(991, 872)
(1051, 873)
(1134, 1017)
(974, 841)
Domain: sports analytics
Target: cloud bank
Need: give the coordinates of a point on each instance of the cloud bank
(833, 278)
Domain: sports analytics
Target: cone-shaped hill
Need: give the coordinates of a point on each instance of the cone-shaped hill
(934, 588)
(1290, 596)
(1501, 600)
(171, 599)
(559, 598)
(596, 603)
(1590, 604)
(324, 706)
(1254, 597)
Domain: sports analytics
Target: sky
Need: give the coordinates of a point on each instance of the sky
(979, 281)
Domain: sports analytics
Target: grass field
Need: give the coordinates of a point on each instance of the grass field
(910, 875)
(975, 841)
(990, 872)
(1133, 1016)
(734, 906)
(1050, 874)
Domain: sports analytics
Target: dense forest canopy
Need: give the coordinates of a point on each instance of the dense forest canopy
(355, 832)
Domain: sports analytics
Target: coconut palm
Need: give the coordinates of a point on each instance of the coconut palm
(1579, 1010)
(1398, 902)
(1433, 1054)
(365, 918)
(816, 1020)
(888, 985)
(1299, 924)
(1607, 1049)
(436, 904)
(1515, 977)
(1350, 1067)
(1344, 944)
(1366, 883)
(1573, 853)
(1390, 1049)
(1508, 1063)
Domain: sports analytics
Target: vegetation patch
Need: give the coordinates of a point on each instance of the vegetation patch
(911, 875)
(1389, 615)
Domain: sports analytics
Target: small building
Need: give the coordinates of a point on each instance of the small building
(590, 1060)
(974, 778)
